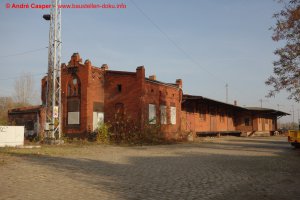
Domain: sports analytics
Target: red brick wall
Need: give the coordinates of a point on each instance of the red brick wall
(136, 95)
(130, 95)
(158, 94)
(91, 90)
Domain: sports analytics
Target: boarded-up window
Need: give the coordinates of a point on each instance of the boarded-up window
(73, 111)
(98, 118)
(73, 118)
(163, 114)
(152, 114)
(173, 115)
(98, 114)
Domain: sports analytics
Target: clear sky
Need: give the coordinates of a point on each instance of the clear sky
(206, 43)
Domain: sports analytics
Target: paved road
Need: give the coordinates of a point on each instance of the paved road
(226, 168)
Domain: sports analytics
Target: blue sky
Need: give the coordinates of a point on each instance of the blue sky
(213, 42)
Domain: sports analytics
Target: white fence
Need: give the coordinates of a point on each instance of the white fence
(11, 136)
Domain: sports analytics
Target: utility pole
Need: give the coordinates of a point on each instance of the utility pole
(298, 119)
(261, 101)
(293, 111)
(278, 106)
(226, 92)
(53, 103)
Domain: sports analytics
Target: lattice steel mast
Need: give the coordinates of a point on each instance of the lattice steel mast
(53, 100)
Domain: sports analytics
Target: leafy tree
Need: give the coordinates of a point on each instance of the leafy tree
(287, 67)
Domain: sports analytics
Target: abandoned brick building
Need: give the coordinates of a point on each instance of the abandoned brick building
(97, 94)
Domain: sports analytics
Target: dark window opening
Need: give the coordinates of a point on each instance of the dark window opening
(98, 107)
(29, 125)
(247, 122)
(119, 88)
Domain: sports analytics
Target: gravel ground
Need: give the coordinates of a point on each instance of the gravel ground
(213, 168)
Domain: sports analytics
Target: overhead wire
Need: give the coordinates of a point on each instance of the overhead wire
(178, 46)
(174, 43)
(23, 53)
(16, 77)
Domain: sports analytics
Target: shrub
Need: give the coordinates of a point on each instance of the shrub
(103, 134)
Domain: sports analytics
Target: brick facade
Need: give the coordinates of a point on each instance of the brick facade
(100, 90)
(93, 94)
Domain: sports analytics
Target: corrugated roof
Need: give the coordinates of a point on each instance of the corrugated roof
(191, 97)
(268, 110)
(258, 109)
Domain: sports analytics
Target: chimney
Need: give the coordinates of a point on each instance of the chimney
(140, 72)
(75, 58)
(179, 83)
(152, 77)
(87, 63)
(104, 67)
(235, 103)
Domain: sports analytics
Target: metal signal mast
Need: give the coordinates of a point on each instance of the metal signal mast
(53, 98)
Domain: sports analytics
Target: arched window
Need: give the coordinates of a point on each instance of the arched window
(73, 102)
(74, 87)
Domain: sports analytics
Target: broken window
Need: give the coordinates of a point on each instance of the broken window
(152, 114)
(29, 125)
(74, 87)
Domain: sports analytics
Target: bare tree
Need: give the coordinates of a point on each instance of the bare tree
(287, 67)
(6, 103)
(24, 92)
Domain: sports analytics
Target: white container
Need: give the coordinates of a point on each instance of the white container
(11, 136)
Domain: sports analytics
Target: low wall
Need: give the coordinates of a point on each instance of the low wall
(11, 136)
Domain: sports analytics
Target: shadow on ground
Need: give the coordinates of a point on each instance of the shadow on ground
(185, 175)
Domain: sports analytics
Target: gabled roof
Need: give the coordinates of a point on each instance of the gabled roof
(267, 111)
(194, 97)
(254, 109)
